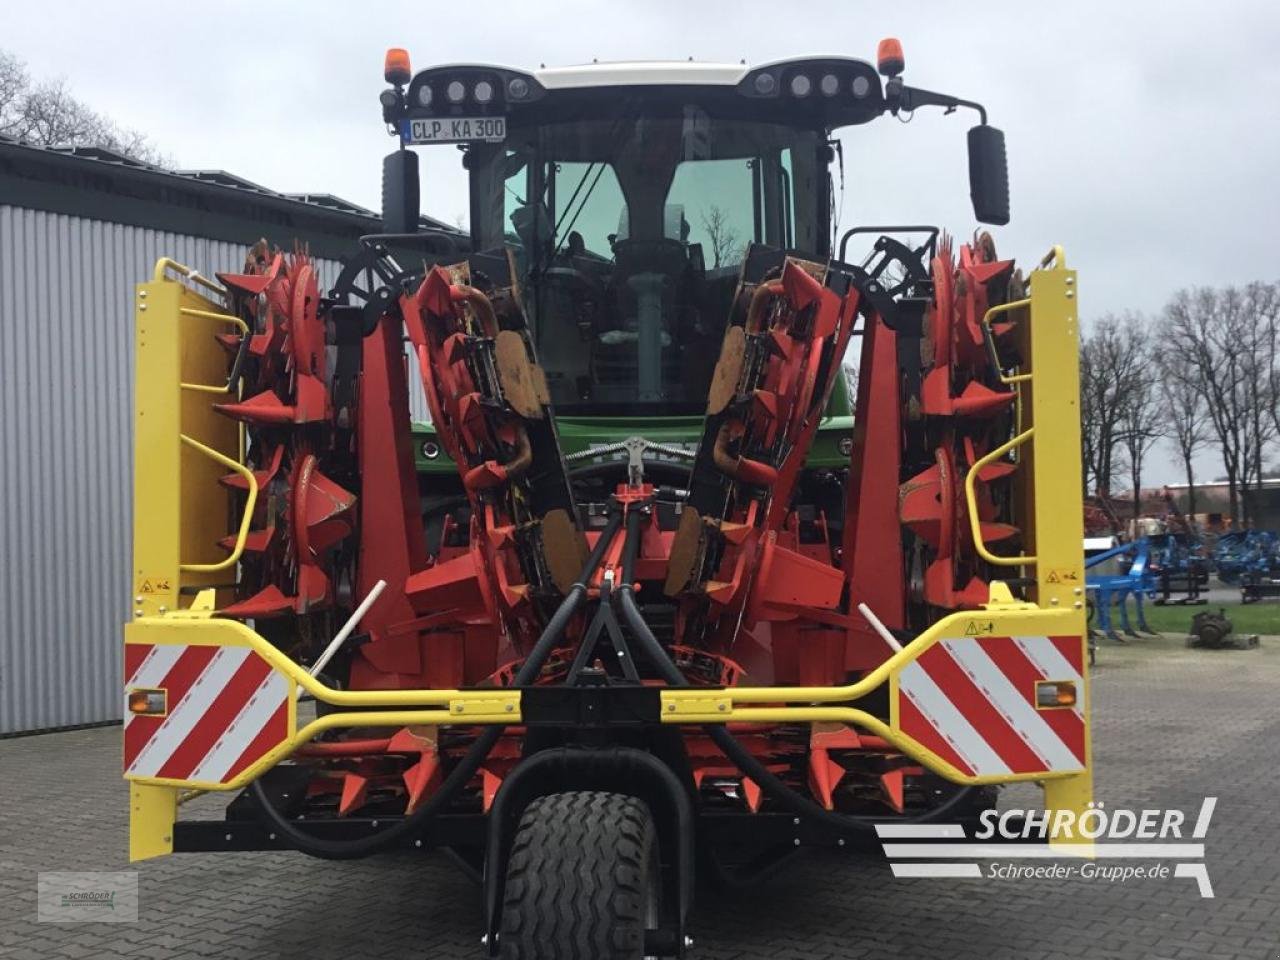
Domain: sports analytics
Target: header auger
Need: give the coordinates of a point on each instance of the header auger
(723, 621)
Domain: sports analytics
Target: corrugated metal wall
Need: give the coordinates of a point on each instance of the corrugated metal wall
(66, 442)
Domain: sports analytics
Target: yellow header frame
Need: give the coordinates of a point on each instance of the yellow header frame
(178, 434)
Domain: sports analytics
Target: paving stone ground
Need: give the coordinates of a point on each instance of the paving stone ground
(1171, 726)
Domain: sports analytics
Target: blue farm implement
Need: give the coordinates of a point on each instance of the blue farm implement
(1250, 559)
(1107, 590)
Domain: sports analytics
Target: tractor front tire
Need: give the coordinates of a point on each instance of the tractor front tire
(582, 880)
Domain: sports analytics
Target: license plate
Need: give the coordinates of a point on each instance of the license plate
(455, 129)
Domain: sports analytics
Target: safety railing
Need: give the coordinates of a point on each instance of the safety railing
(971, 498)
(237, 322)
(219, 317)
(242, 532)
(501, 706)
(165, 264)
(1006, 378)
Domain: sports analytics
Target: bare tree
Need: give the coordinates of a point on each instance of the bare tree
(1139, 418)
(1184, 418)
(13, 81)
(725, 245)
(47, 115)
(1139, 405)
(1261, 305)
(1271, 341)
(1090, 427)
(1112, 358)
(1213, 380)
(1207, 327)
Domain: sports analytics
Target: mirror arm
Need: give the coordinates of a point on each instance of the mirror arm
(901, 97)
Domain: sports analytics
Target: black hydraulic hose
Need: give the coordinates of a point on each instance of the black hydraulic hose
(465, 769)
(796, 802)
(324, 849)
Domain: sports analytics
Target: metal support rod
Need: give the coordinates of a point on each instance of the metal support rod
(878, 625)
(341, 636)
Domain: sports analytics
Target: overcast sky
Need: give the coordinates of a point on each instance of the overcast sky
(1145, 137)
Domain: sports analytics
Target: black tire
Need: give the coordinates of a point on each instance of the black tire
(582, 879)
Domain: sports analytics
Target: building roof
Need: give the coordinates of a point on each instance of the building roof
(1216, 484)
(101, 184)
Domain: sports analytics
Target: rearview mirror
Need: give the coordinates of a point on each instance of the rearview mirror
(400, 192)
(988, 175)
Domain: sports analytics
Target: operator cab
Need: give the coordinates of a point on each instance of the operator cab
(625, 201)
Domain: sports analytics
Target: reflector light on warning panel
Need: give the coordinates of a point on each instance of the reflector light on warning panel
(148, 702)
(1055, 693)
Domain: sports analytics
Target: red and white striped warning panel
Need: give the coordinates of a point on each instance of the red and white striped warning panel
(972, 702)
(226, 708)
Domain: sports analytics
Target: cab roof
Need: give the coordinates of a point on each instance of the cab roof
(620, 73)
(829, 90)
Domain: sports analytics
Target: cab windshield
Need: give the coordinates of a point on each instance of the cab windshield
(628, 233)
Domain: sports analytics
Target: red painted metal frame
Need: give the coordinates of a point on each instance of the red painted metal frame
(779, 605)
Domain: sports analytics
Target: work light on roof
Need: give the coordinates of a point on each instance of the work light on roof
(455, 91)
(766, 84)
(483, 91)
(829, 85)
(801, 85)
(517, 88)
(424, 95)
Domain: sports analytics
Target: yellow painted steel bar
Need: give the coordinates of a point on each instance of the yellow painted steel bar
(219, 317)
(688, 700)
(854, 717)
(165, 263)
(971, 497)
(395, 718)
(1055, 256)
(332, 721)
(204, 388)
(242, 535)
(477, 705)
(986, 323)
(200, 629)
(877, 727)
(408, 718)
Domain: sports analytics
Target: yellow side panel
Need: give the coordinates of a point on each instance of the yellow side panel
(1073, 793)
(1056, 518)
(180, 509)
(153, 811)
(156, 448)
(1056, 511)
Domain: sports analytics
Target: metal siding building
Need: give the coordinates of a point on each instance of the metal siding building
(66, 372)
